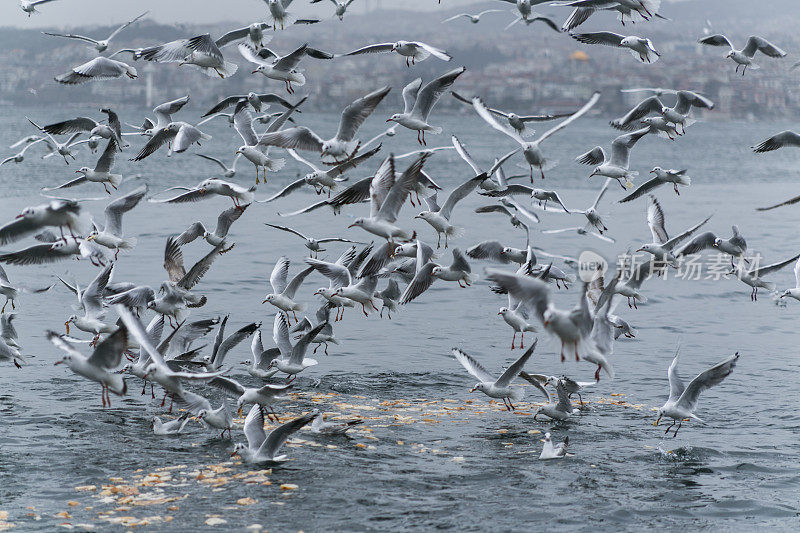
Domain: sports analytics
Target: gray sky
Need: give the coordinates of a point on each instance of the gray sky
(87, 12)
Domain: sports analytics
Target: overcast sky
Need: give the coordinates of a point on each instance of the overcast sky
(86, 12)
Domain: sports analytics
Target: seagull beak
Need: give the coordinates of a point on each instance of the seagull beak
(67, 325)
(77, 172)
(388, 120)
(254, 71)
(57, 363)
(264, 302)
(473, 389)
(640, 250)
(19, 216)
(234, 453)
(500, 313)
(546, 323)
(657, 421)
(652, 172)
(351, 225)
(239, 412)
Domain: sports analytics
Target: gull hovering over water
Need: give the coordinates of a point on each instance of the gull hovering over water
(343, 144)
(292, 358)
(262, 448)
(662, 246)
(217, 237)
(418, 103)
(99, 68)
(256, 100)
(57, 213)
(496, 387)
(675, 177)
(178, 135)
(636, 10)
(340, 6)
(682, 400)
(29, 6)
(200, 51)
(101, 173)
(439, 217)
(531, 150)
(677, 114)
(472, 18)
(744, 57)
(101, 45)
(281, 68)
(283, 291)
(518, 122)
(311, 243)
(616, 167)
(112, 130)
(11, 291)
(781, 140)
(413, 51)
(19, 157)
(736, 246)
(753, 276)
(226, 172)
(320, 425)
(640, 47)
(111, 234)
(98, 367)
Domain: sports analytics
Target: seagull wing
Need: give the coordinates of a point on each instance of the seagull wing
(472, 366)
(432, 91)
(706, 380)
(356, 113)
(516, 367)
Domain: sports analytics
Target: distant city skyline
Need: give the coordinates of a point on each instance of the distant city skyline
(72, 13)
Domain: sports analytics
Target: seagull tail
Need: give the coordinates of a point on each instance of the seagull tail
(434, 130)
(115, 179)
(127, 244)
(276, 164)
(454, 231)
(117, 385)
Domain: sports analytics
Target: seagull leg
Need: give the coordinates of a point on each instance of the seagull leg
(171, 400)
(577, 357)
(737, 68)
(511, 405)
(634, 304)
(522, 341)
(364, 309)
(116, 254)
(675, 186)
(164, 399)
(670, 427)
(676, 431)
(541, 170)
(513, 340)
(562, 352)
(152, 394)
(743, 71)
(596, 376)
(326, 348)
(4, 306)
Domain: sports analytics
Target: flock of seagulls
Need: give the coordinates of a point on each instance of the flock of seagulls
(366, 276)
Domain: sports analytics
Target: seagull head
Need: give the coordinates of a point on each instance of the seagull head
(150, 370)
(423, 215)
(478, 386)
(503, 311)
(69, 321)
(272, 364)
(657, 170)
(357, 222)
(547, 317)
(660, 414)
(628, 41)
(664, 109)
(260, 68)
(268, 298)
(238, 447)
(729, 54)
(393, 118)
(200, 414)
(131, 72)
(64, 360)
(436, 270)
(547, 437)
(27, 212)
(595, 172)
(786, 293)
(717, 242)
(92, 236)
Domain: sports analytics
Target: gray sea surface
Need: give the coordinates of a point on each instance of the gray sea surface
(431, 455)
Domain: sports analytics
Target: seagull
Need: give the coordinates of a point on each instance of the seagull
(553, 451)
(387, 195)
(251, 149)
(389, 296)
(662, 246)
(617, 167)
(321, 426)
(341, 6)
(418, 103)
(744, 57)
(736, 246)
(102, 45)
(531, 150)
(675, 177)
(98, 367)
(40, 254)
(274, 67)
(178, 135)
(311, 243)
(324, 336)
(19, 157)
(753, 276)
(518, 122)
(206, 189)
(341, 274)
(343, 144)
(413, 51)
(9, 351)
(641, 47)
(510, 208)
(781, 140)
(226, 172)
(427, 272)
(261, 396)
(258, 367)
(278, 12)
(571, 327)
(101, 173)
(163, 113)
(219, 418)
(11, 292)
(99, 68)
(497, 252)
(792, 293)
(439, 217)
(560, 410)
(91, 300)
(630, 289)
(322, 179)
(29, 6)
(112, 130)
(217, 237)
(683, 398)
(254, 33)
(111, 235)
(472, 18)
(593, 219)
(636, 10)
(63, 149)
(283, 291)
(292, 359)
(677, 114)
(499, 387)
(524, 8)
(172, 427)
(57, 213)
(262, 448)
(256, 100)
(243, 122)
(200, 51)
(541, 195)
